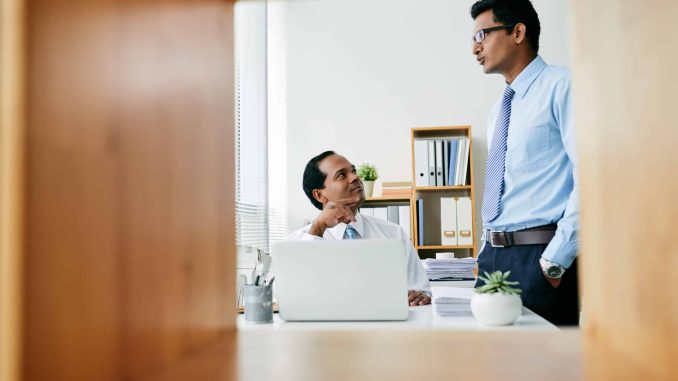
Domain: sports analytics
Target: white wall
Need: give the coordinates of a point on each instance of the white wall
(355, 75)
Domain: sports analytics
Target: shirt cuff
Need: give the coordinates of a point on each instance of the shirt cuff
(562, 250)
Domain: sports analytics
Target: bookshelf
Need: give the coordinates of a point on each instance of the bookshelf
(431, 196)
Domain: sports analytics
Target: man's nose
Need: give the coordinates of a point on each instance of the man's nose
(353, 177)
(476, 48)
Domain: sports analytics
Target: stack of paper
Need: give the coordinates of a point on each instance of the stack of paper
(396, 189)
(452, 307)
(458, 268)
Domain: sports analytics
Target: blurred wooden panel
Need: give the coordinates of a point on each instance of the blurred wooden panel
(12, 132)
(395, 355)
(130, 216)
(624, 91)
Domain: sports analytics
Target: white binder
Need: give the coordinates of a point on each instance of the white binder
(439, 162)
(365, 211)
(448, 221)
(404, 218)
(431, 162)
(380, 213)
(462, 161)
(421, 163)
(464, 165)
(464, 221)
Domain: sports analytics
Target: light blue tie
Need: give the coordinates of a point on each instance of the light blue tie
(496, 160)
(350, 233)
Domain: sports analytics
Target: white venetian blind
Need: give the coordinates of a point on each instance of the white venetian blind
(251, 128)
(260, 219)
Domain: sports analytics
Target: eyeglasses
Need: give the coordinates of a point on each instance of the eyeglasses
(480, 35)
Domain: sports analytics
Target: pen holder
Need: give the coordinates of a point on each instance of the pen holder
(258, 303)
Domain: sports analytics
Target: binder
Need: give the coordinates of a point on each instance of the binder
(446, 160)
(448, 221)
(380, 213)
(420, 221)
(431, 162)
(404, 218)
(365, 211)
(392, 214)
(464, 221)
(452, 166)
(421, 163)
(439, 162)
(460, 159)
(464, 164)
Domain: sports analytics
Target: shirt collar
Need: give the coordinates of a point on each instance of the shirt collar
(523, 81)
(358, 225)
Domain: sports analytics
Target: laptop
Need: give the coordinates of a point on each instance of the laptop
(347, 280)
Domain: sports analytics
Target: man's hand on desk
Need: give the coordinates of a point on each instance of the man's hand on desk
(418, 298)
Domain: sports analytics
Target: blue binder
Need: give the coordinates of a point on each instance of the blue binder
(452, 168)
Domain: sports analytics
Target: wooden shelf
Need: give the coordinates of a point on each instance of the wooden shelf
(441, 247)
(388, 198)
(442, 188)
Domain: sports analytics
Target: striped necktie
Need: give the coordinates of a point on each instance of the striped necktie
(496, 160)
(350, 233)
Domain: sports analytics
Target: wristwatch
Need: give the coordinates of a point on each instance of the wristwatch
(552, 270)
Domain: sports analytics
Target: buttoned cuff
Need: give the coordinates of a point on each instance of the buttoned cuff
(562, 250)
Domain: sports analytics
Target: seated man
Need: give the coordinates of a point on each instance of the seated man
(332, 185)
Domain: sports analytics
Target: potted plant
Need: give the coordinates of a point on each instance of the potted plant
(497, 302)
(368, 174)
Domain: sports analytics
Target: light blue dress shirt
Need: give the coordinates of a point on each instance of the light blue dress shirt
(540, 185)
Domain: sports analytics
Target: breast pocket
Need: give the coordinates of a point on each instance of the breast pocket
(529, 150)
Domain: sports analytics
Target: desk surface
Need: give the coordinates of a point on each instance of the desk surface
(421, 318)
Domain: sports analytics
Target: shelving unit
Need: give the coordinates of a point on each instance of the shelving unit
(432, 194)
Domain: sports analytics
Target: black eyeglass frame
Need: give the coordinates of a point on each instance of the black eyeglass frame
(484, 32)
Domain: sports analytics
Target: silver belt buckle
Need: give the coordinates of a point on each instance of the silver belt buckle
(496, 239)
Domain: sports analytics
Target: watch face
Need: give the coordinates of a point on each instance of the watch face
(553, 272)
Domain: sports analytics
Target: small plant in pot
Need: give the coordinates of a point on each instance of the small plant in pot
(497, 302)
(368, 174)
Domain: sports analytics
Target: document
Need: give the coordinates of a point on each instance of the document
(450, 307)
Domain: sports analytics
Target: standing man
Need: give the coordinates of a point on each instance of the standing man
(333, 186)
(530, 205)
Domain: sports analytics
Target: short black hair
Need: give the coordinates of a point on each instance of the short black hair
(510, 12)
(314, 178)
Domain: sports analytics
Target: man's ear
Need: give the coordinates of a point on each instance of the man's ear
(319, 195)
(519, 33)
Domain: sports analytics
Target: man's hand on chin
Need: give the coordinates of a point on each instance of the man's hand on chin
(417, 298)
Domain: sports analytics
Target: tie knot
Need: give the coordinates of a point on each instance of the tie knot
(350, 233)
(508, 92)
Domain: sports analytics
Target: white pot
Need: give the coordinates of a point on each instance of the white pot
(496, 309)
(369, 188)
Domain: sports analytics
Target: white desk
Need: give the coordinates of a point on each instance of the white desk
(421, 318)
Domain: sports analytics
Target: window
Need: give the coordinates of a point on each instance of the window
(258, 221)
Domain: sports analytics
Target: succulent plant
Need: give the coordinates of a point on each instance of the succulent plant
(367, 172)
(498, 282)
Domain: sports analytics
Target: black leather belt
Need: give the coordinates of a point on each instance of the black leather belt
(540, 235)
